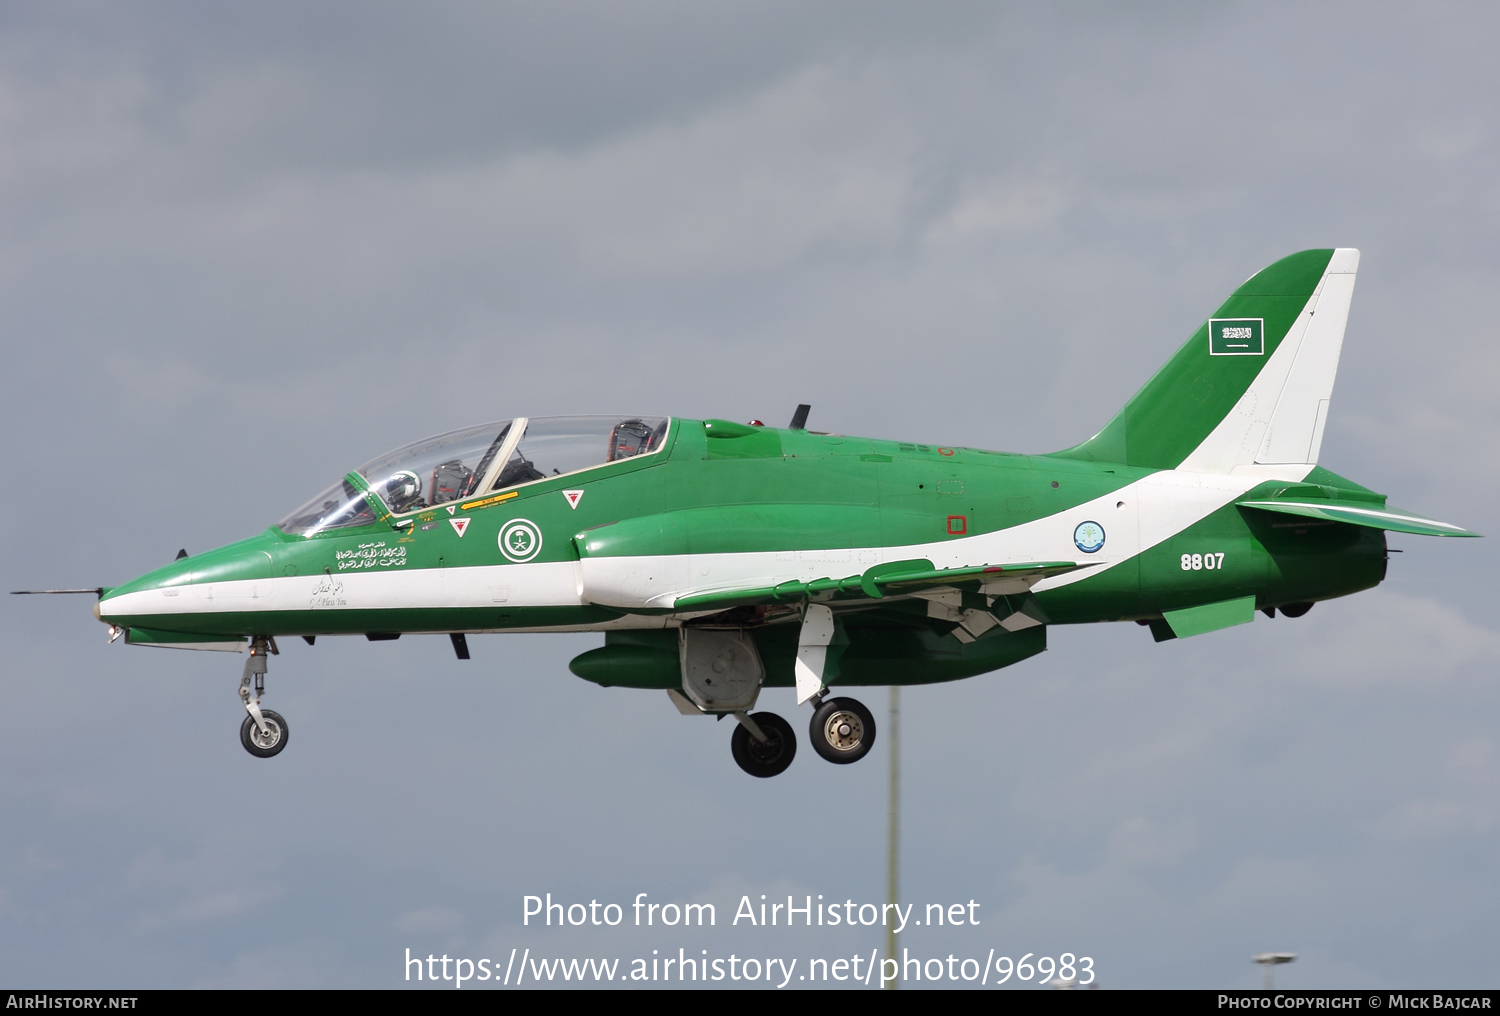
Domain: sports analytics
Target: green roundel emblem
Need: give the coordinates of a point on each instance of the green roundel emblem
(1089, 537)
(520, 540)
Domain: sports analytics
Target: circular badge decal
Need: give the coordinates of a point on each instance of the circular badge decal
(521, 540)
(1089, 536)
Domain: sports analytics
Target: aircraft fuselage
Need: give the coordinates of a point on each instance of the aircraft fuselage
(763, 508)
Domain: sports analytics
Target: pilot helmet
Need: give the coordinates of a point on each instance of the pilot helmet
(401, 489)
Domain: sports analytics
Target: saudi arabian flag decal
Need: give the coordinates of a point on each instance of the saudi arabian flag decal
(1236, 337)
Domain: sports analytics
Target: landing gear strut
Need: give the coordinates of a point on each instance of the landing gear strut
(264, 732)
(842, 730)
(763, 744)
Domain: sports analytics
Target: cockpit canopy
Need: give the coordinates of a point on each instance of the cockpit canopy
(478, 460)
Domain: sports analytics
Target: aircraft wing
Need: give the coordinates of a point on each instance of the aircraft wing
(1359, 513)
(892, 578)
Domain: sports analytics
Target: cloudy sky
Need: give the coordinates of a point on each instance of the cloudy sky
(244, 247)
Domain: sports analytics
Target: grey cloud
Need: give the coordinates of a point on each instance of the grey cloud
(241, 250)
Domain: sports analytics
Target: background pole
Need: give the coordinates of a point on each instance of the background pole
(893, 830)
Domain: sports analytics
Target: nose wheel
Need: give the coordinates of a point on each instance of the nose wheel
(763, 744)
(842, 730)
(264, 732)
(265, 740)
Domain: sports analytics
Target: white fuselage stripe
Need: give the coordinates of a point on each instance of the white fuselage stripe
(1135, 518)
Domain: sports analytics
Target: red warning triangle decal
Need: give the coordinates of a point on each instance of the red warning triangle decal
(451, 507)
(573, 496)
(459, 525)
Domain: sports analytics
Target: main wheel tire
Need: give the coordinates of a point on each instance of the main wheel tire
(768, 758)
(842, 730)
(260, 745)
(1295, 609)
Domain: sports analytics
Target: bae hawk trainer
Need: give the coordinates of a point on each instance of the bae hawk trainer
(720, 558)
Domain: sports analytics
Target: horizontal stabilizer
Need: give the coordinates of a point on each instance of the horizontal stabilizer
(1359, 513)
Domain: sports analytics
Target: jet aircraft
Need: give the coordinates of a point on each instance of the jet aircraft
(720, 558)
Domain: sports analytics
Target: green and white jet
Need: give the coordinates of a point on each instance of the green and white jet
(719, 558)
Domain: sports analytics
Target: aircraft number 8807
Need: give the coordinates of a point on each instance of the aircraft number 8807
(1202, 562)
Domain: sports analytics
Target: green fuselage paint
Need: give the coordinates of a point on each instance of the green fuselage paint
(938, 562)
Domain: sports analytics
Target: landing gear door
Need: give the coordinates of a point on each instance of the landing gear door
(721, 668)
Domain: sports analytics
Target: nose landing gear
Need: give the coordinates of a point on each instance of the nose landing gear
(264, 732)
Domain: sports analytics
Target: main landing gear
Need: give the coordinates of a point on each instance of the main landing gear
(763, 744)
(264, 732)
(842, 731)
(722, 673)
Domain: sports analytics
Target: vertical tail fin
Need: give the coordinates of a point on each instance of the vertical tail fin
(1253, 383)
